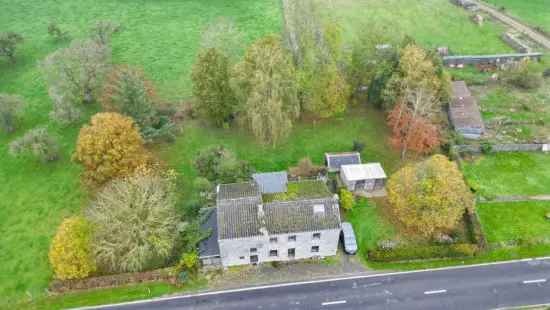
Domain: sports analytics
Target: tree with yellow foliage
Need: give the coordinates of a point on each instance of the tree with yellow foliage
(70, 252)
(110, 147)
(430, 196)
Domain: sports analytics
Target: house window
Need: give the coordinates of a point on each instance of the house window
(253, 250)
(291, 253)
(292, 238)
(254, 259)
(273, 239)
(316, 236)
(273, 253)
(315, 249)
(242, 257)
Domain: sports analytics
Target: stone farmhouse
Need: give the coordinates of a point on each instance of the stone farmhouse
(254, 224)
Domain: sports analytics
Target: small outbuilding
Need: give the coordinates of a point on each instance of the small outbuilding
(363, 177)
(464, 112)
(209, 249)
(272, 182)
(336, 160)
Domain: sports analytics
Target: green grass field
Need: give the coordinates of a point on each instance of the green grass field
(510, 174)
(504, 222)
(532, 12)
(162, 37)
(433, 23)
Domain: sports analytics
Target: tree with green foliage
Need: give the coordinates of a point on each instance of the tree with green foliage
(430, 196)
(223, 36)
(135, 223)
(70, 251)
(110, 147)
(219, 165)
(268, 92)
(127, 92)
(10, 108)
(346, 199)
(38, 143)
(211, 88)
(75, 75)
(8, 44)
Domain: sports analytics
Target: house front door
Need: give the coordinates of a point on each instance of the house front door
(254, 259)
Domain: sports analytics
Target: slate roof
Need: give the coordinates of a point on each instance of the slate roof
(363, 172)
(209, 247)
(335, 160)
(247, 216)
(284, 217)
(271, 182)
(464, 110)
(237, 191)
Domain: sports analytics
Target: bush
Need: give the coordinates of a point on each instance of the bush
(486, 148)
(346, 199)
(55, 32)
(358, 146)
(110, 147)
(523, 76)
(189, 262)
(10, 108)
(546, 73)
(37, 143)
(8, 44)
(423, 252)
(305, 169)
(70, 253)
(220, 165)
(202, 185)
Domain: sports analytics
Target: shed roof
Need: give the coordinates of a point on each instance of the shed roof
(460, 90)
(209, 247)
(363, 172)
(464, 110)
(271, 182)
(238, 190)
(336, 160)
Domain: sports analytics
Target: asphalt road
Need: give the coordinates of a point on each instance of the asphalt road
(479, 287)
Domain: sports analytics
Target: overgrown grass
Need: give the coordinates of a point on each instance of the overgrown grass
(509, 174)
(433, 23)
(307, 140)
(532, 12)
(513, 221)
(369, 226)
(160, 36)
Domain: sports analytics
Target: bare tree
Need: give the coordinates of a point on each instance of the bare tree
(10, 106)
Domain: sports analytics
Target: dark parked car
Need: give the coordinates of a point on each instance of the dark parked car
(348, 237)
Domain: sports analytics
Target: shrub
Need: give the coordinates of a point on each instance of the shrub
(189, 262)
(546, 73)
(346, 199)
(55, 32)
(202, 185)
(218, 164)
(10, 108)
(37, 143)
(70, 253)
(358, 146)
(486, 148)
(523, 76)
(110, 147)
(423, 252)
(305, 168)
(135, 223)
(8, 44)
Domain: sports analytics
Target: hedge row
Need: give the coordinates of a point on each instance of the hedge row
(423, 252)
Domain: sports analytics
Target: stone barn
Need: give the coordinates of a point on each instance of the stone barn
(363, 177)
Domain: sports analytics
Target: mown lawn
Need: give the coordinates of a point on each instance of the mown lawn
(160, 36)
(509, 174)
(433, 23)
(532, 12)
(505, 222)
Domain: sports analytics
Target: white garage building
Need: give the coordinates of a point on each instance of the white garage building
(363, 177)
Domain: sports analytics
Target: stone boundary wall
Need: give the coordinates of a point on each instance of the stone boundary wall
(488, 59)
(515, 43)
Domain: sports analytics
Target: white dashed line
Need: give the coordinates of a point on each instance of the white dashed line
(435, 292)
(534, 281)
(330, 303)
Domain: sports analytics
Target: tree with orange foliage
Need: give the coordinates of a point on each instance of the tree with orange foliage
(110, 147)
(412, 133)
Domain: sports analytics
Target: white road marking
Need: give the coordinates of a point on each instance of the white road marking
(534, 281)
(356, 277)
(435, 292)
(330, 303)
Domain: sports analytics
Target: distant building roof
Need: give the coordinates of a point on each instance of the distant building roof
(271, 182)
(464, 110)
(335, 160)
(363, 172)
(209, 247)
(248, 216)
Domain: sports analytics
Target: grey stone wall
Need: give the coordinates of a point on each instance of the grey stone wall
(476, 149)
(237, 251)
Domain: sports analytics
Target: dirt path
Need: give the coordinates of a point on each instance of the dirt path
(520, 198)
(515, 24)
